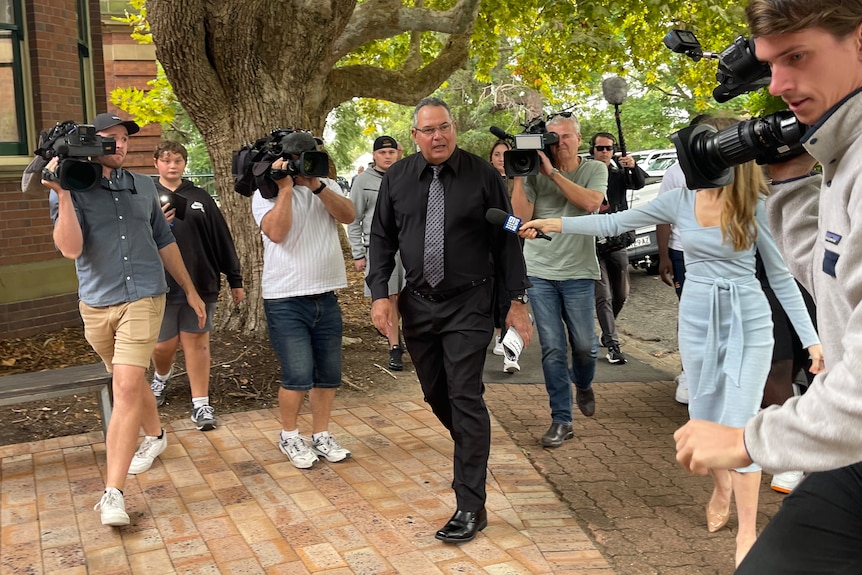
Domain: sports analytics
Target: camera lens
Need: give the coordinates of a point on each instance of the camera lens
(78, 176)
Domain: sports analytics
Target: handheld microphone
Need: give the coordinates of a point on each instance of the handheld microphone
(509, 222)
(500, 133)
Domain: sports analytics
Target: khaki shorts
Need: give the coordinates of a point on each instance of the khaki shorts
(125, 333)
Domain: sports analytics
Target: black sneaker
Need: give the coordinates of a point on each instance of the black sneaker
(615, 356)
(395, 361)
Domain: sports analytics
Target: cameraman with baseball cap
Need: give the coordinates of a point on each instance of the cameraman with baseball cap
(122, 245)
(302, 267)
(363, 193)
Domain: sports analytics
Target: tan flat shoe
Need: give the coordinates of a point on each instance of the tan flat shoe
(715, 520)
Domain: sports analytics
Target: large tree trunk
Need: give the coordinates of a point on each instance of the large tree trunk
(242, 68)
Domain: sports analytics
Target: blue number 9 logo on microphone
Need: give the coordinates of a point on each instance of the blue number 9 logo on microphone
(512, 224)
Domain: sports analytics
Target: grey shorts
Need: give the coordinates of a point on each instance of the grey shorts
(180, 317)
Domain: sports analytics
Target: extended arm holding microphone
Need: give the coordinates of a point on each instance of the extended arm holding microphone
(509, 222)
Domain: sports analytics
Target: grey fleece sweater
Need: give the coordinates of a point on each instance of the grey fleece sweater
(820, 235)
(363, 192)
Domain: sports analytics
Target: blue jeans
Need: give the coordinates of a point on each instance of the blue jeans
(565, 308)
(305, 333)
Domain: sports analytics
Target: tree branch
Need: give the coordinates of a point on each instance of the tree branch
(377, 19)
(400, 86)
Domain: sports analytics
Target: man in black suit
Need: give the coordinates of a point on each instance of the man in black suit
(451, 265)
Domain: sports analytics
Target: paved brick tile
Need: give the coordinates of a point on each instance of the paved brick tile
(227, 501)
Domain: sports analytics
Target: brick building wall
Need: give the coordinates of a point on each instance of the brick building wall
(38, 287)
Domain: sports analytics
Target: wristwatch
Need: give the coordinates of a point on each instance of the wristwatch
(320, 189)
(554, 171)
(522, 298)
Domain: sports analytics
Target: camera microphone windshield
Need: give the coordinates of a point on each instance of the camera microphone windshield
(615, 90)
(509, 222)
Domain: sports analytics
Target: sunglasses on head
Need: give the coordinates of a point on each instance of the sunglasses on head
(604, 148)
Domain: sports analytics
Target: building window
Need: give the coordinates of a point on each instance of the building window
(12, 119)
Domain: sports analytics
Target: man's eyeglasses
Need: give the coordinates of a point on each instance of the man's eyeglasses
(604, 148)
(429, 131)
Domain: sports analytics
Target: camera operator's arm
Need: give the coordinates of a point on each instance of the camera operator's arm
(521, 206)
(338, 206)
(173, 262)
(665, 266)
(586, 199)
(278, 221)
(68, 236)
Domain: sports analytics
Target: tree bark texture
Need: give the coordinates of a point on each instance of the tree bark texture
(242, 68)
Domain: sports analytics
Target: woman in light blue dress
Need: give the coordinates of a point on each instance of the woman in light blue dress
(725, 322)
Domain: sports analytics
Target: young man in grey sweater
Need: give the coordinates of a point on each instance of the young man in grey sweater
(814, 48)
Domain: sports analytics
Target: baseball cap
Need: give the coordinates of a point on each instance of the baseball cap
(385, 142)
(105, 121)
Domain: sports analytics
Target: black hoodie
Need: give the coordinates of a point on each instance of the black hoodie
(205, 243)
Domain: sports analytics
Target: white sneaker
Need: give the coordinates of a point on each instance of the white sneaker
(113, 508)
(510, 366)
(159, 386)
(498, 346)
(681, 394)
(787, 481)
(329, 449)
(151, 448)
(297, 451)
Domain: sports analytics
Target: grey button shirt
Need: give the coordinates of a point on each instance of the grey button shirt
(123, 228)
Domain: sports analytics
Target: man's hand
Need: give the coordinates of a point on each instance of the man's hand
(545, 166)
(360, 264)
(665, 269)
(197, 304)
(704, 445)
(51, 169)
(519, 318)
(237, 295)
(626, 161)
(380, 314)
(795, 167)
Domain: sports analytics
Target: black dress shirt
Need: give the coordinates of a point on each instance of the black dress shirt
(474, 248)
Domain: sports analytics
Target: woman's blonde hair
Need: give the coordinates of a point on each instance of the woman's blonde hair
(739, 204)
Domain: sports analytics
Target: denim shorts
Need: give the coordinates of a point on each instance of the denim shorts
(305, 333)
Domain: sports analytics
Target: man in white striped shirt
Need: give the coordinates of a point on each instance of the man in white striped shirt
(302, 267)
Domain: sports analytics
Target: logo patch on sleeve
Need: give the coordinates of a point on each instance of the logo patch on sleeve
(833, 238)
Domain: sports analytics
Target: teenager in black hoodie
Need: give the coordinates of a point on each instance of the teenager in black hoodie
(207, 248)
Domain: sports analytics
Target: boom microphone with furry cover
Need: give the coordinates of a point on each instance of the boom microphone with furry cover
(615, 91)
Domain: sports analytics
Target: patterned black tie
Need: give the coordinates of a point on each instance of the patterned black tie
(433, 255)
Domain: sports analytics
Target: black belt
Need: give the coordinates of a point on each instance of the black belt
(317, 295)
(437, 297)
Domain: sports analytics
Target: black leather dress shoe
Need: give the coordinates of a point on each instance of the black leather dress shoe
(557, 434)
(586, 401)
(463, 526)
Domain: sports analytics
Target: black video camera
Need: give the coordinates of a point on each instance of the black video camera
(706, 155)
(252, 164)
(523, 158)
(74, 144)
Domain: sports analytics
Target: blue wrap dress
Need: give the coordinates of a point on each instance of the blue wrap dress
(725, 322)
